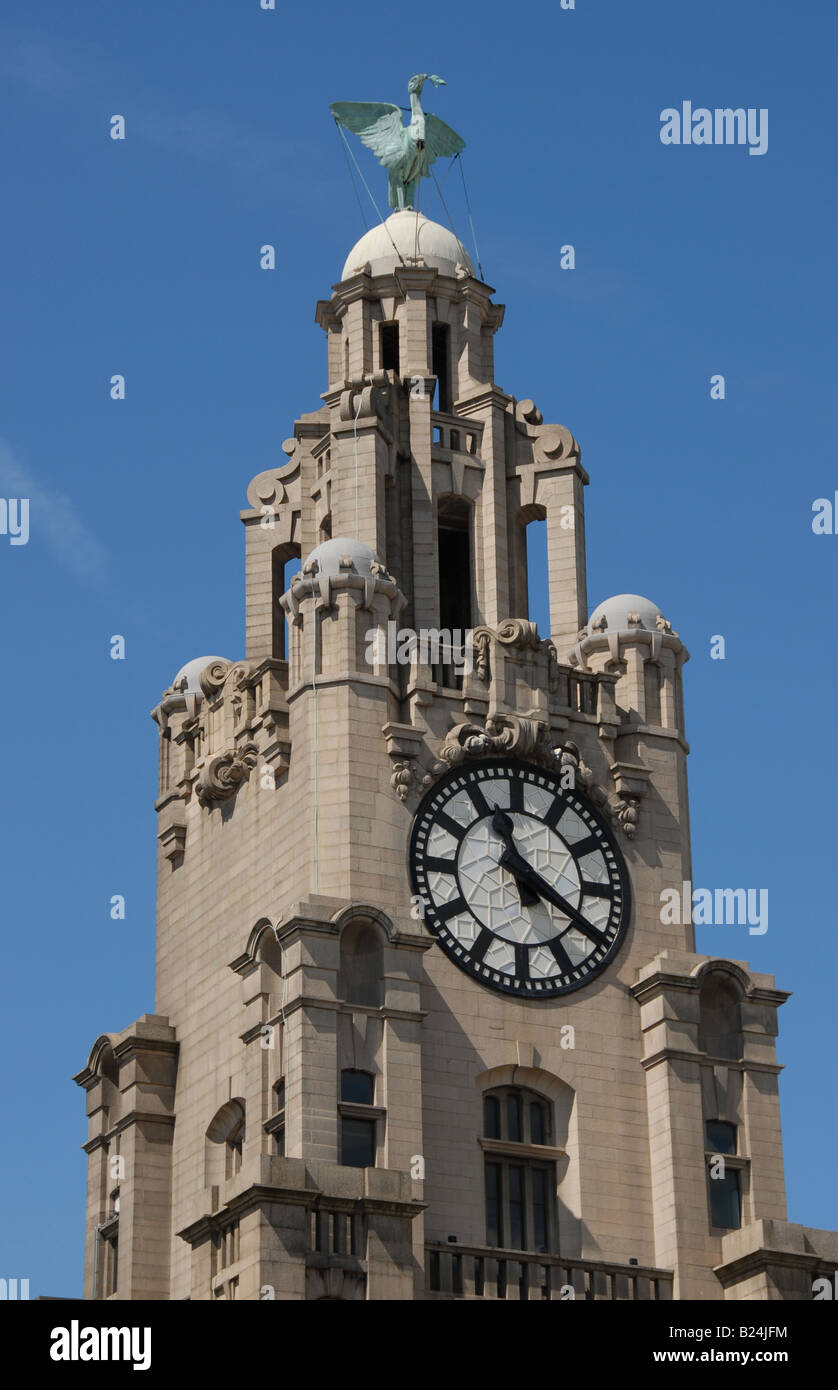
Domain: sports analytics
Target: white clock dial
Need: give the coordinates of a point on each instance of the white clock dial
(520, 878)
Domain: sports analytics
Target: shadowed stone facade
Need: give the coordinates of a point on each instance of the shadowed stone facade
(292, 959)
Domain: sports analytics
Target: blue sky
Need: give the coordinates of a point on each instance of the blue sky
(141, 257)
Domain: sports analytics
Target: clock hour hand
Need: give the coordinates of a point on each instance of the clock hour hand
(503, 827)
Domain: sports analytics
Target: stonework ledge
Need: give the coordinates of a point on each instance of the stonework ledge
(775, 1248)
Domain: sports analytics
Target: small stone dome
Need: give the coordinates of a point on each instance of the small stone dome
(617, 612)
(326, 559)
(188, 678)
(414, 236)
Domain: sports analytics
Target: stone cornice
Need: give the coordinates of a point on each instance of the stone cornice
(677, 1054)
(755, 1262)
(132, 1118)
(260, 1194)
(135, 1044)
(652, 985)
(491, 396)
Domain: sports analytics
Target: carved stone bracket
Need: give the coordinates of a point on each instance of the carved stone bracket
(404, 745)
(503, 735)
(366, 397)
(222, 775)
(631, 783)
(513, 632)
(512, 735)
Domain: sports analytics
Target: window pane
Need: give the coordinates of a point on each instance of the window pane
(440, 365)
(720, 1137)
(389, 346)
(513, 1120)
(279, 1140)
(539, 1208)
(494, 1228)
(537, 1127)
(356, 1086)
(516, 1208)
(724, 1201)
(357, 1143)
(491, 1117)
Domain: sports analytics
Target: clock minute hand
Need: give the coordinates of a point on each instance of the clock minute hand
(512, 860)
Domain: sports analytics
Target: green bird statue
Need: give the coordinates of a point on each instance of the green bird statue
(408, 151)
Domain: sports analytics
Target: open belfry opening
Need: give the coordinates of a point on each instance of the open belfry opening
(421, 1029)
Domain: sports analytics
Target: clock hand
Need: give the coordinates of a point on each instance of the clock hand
(513, 861)
(503, 826)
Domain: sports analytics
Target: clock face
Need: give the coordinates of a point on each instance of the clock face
(521, 881)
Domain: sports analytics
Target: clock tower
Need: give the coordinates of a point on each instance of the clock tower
(422, 1030)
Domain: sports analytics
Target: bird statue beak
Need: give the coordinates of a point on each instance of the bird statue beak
(438, 81)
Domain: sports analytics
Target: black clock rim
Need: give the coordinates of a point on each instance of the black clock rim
(515, 989)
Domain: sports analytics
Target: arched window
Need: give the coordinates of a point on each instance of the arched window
(361, 964)
(224, 1143)
(520, 1182)
(720, 1022)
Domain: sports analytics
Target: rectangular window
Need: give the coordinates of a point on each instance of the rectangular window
(725, 1201)
(720, 1137)
(513, 1119)
(441, 366)
(389, 346)
(491, 1117)
(517, 1237)
(539, 1209)
(357, 1144)
(356, 1086)
(537, 1123)
(454, 548)
(494, 1225)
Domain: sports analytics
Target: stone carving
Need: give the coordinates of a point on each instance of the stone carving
(406, 778)
(513, 632)
(213, 677)
(510, 735)
(554, 442)
(365, 397)
(505, 735)
(223, 774)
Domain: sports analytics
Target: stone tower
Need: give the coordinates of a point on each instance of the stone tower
(420, 1029)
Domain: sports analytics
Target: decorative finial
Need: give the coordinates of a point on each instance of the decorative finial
(408, 151)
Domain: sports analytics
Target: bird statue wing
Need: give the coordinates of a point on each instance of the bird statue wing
(441, 139)
(379, 126)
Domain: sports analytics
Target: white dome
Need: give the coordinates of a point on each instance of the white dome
(188, 678)
(616, 612)
(414, 236)
(326, 558)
